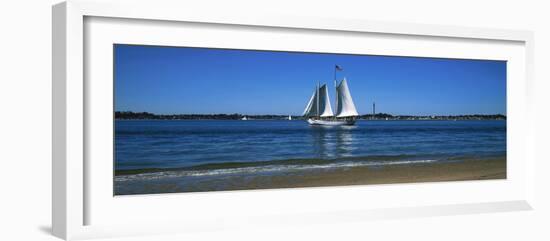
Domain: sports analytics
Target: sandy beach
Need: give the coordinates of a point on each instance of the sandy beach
(494, 168)
(435, 172)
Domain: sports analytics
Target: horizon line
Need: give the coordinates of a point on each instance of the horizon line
(236, 113)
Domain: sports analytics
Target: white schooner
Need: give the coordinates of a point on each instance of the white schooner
(319, 111)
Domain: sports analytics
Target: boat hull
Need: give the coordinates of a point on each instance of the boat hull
(331, 122)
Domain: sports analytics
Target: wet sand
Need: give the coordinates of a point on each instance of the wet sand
(486, 169)
(435, 172)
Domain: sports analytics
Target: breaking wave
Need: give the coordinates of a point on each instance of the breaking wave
(256, 168)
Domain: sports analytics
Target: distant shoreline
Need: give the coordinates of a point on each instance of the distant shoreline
(128, 115)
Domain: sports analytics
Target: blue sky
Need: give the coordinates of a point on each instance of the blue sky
(177, 80)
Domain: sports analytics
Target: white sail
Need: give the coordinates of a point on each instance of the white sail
(311, 108)
(344, 103)
(324, 109)
(324, 102)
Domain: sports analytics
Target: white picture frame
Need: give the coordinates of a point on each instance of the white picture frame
(78, 195)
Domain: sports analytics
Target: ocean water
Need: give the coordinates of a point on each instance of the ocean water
(156, 149)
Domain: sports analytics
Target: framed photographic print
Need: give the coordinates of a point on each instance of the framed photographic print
(189, 121)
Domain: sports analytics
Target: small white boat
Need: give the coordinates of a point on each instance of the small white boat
(319, 111)
(244, 118)
(289, 117)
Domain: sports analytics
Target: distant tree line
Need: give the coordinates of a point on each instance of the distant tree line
(384, 116)
(129, 115)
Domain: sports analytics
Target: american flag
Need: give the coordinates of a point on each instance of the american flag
(338, 67)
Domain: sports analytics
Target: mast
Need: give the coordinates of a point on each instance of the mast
(336, 68)
(335, 89)
(318, 114)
